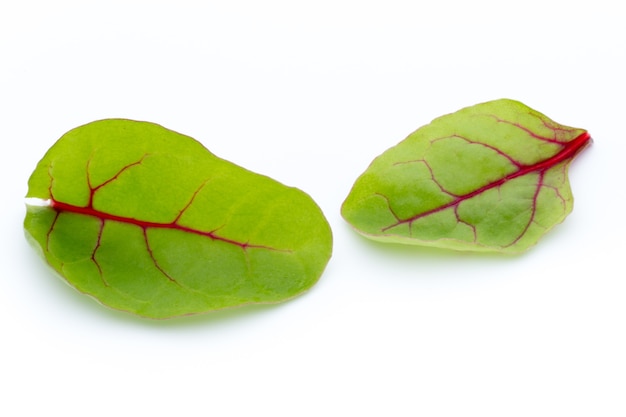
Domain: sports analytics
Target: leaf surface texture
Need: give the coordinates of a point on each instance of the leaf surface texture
(491, 177)
(148, 221)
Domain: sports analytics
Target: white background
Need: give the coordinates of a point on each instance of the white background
(309, 93)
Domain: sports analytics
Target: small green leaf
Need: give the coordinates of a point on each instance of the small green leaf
(491, 177)
(148, 221)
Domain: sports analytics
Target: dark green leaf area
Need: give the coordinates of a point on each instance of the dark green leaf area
(148, 221)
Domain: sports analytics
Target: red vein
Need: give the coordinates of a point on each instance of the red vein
(533, 212)
(156, 264)
(93, 212)
(432, 174)
(93, 254)
(191, 200)
(486, 145)
(393, 213)
(530, 132)
(569, 150)
(113, 178)
(471, 226)
(49, 234)
(471, 142)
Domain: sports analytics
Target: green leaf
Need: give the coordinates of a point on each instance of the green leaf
(491, 177)
(148, 221)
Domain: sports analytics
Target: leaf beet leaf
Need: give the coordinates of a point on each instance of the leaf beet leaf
(491, 177)
(148, 221)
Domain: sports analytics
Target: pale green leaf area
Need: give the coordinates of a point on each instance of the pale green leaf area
(148, 221)
(491, 177)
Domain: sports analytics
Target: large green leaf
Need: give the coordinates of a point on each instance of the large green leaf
(491, 177)
(148, 221)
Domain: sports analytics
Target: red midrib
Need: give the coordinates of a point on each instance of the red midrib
(90, 211)
(569, 151)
